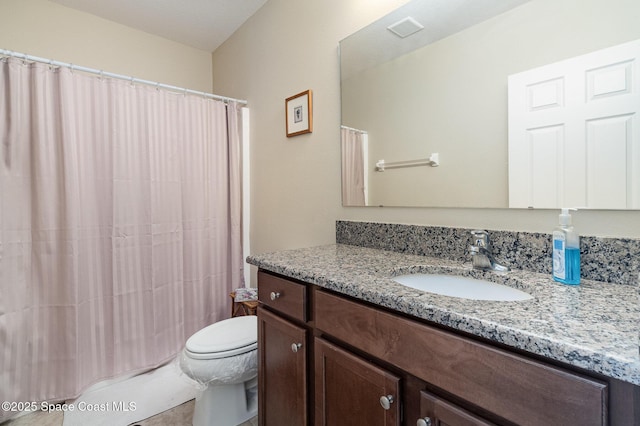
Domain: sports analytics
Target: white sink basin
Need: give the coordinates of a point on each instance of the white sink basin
(463, 287)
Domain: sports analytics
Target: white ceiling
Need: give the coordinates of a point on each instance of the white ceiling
(203, 24)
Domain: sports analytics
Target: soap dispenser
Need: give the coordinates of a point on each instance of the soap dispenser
(566, 251)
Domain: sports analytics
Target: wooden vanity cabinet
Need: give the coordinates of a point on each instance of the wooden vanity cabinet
(512, 388)
(351, 358)
(283, 353)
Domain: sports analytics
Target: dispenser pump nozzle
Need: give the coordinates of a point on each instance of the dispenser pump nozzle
(565, 217)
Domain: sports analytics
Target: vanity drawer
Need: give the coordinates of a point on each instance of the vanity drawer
(513, 387)
(283, 295)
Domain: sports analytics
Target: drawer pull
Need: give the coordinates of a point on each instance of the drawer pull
(295, 347)
(424, 422)
(274, 295)
(386, 401)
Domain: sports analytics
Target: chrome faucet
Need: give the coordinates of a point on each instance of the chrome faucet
(481, 256)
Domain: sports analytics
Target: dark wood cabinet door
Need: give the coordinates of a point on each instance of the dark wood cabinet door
(348, 390)
(282, 371)
(438, 412)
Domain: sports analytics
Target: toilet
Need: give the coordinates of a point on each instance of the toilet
(223, 357)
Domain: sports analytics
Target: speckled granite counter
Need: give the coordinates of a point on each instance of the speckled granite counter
(594, 326)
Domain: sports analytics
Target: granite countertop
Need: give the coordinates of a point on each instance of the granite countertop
(595, 326)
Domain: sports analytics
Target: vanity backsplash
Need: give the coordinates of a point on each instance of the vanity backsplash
(615, 260)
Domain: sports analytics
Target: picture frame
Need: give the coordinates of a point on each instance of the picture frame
(299, 113)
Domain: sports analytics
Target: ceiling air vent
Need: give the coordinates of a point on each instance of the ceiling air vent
(405, 27)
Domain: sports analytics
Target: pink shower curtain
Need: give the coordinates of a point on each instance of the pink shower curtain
(353, 167)
(120, 226)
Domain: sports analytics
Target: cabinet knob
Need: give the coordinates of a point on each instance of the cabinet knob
(274, 295)
(386, 401)
(295, 347)
(426, 421)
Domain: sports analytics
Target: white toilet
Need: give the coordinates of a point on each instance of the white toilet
(223, 356)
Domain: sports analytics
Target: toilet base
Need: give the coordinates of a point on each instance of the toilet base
(226, 405)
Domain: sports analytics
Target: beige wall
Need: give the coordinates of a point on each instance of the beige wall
(290, 46)
(285, 48)
(46, 29)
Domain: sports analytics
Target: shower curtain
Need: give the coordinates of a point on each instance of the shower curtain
(120, 226)
(353, 167)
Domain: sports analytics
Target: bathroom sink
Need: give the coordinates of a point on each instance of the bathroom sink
(463, 287)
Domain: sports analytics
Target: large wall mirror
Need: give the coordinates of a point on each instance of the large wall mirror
(432, 94)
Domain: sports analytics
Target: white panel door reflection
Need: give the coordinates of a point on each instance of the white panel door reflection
(574, 134)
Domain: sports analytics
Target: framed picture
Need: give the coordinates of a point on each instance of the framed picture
(299, 112)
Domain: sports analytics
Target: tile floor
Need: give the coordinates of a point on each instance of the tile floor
(178, 416)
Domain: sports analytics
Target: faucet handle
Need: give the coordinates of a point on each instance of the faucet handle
(480, 238)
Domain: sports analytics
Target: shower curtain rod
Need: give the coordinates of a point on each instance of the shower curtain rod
(353, 129)
(101, 73)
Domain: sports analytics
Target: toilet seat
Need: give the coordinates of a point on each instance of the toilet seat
(230, 337)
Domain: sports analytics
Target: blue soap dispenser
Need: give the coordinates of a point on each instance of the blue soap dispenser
(566, 251)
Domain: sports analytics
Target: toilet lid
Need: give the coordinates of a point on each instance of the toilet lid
(225, 336)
